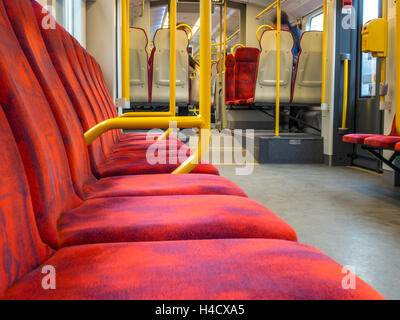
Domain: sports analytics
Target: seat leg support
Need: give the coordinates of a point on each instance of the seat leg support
(388, 162)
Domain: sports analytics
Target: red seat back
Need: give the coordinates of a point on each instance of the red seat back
(246, 73)
(55, 47)
(67, 119)
(394, 132)
(36, 133)
(230, 79)
(21, 249)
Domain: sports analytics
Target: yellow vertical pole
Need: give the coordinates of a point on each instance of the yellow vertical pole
(220, 42)
(205, 63)
(324, 53)
(397, 66)
(383, 60)
(278, 67)
(172, 61)
(205, 89)
(125, 50)
(225, 16)
(345, 92)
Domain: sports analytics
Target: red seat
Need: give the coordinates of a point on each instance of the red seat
(230, 80)
(246, 67)
(47, 166)
(397, 147)
(388, 142)
(84, 182)
(81, 94)
(357, 138)
(216, 269)
(169, 218)
(376, 140)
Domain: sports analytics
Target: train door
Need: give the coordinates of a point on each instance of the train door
(367, 115)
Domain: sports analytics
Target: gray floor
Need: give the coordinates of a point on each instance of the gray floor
(351, 215)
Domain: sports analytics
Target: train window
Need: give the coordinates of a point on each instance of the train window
(368, 62)
(69, 14)
(316, 22)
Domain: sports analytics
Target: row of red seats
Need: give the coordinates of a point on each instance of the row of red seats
(118, 235)
(392, 141)
(376, 142)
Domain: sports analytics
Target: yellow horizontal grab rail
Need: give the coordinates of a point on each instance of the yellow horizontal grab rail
(227, 40)
(260, 28)
(236, 46)
(186, 26)
(141, 123)
(266, 9)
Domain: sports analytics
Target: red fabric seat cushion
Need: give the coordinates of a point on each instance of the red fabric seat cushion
(170, 218)
(132, 146)
(193, 270)
(140, 165)
(136, 136)
(162, 185)
(357, 138)
(382, 141)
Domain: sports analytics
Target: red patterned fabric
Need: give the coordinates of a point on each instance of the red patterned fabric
(117, 167)
(170, 218)
(394, 132)
(151, 63)
(246, 68)
(21, 248)
(376, 140)
(71, 130)
(162, 185)
(382, 141)
(36, 133)
(23, 21)
(78, 88)
(75, 92)
(357, 138)
(211, 269)
(230, 80)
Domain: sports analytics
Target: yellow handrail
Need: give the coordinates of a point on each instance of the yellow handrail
(345, 92)
(202, 121)
(278, 67)
(266, 10)
(324, 53)
(397, 66)
(230, 38)
(225, 40)
(172, 57)
(236, 46)
(383, 60)
(125, 51)
(260, 28)
(187, 26)
(220, 42)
